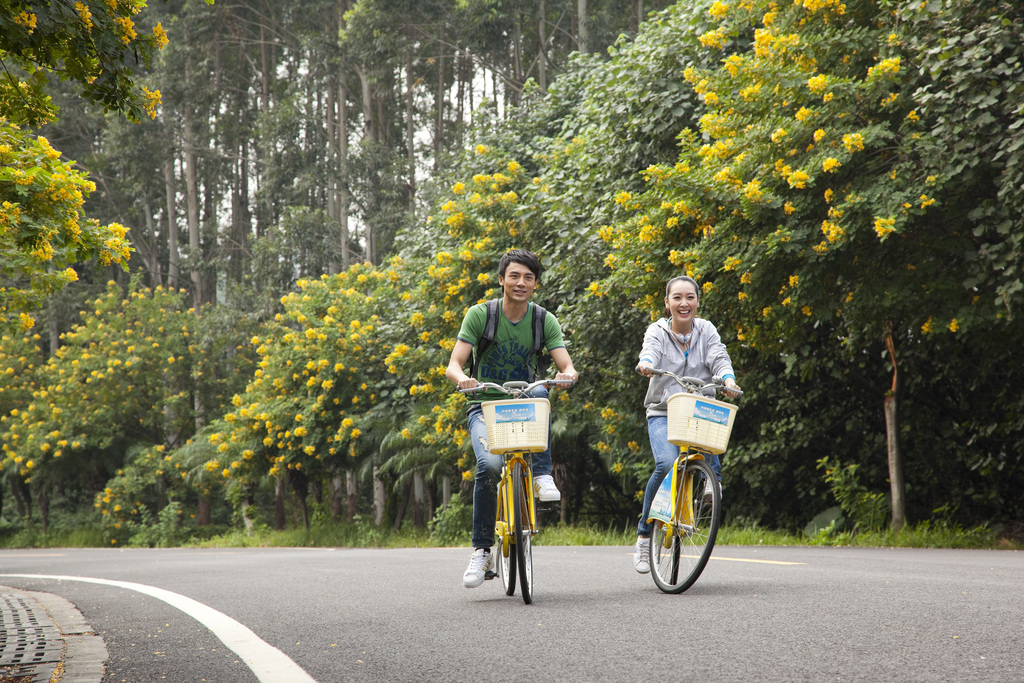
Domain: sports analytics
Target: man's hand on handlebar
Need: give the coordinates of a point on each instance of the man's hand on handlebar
(467, 383)
(567, 376)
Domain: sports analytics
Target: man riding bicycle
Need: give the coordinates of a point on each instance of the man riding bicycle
(505, 358)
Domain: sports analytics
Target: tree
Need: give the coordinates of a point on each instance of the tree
(42, 228)
(812, 212)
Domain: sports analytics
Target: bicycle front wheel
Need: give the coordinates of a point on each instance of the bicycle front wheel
(506, 553)
(680, 549)
(521, 532)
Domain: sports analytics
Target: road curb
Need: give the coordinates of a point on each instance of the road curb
(83, 652)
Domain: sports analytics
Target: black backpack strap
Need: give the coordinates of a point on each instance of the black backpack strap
(490, 329)
(538, 342)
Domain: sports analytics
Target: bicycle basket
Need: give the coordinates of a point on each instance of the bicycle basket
(517, 425)
(700, 421)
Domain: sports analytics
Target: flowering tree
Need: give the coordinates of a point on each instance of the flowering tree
(823, 197)
(43, 230)
(126, 378)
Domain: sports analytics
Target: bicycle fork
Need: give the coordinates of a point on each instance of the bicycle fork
(683, 519)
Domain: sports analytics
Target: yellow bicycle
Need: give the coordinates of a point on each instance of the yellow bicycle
(516, 428)
(687, 509)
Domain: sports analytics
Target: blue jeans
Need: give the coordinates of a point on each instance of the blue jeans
(665, 454)
(488, 473)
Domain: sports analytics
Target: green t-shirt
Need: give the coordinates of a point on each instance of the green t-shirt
(508, 356)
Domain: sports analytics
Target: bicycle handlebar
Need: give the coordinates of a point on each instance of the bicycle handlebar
(696, 384)
(516, 388)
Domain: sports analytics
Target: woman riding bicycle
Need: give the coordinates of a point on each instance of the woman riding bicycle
(506, 358)
(688, 346)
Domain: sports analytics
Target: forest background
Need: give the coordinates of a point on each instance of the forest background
(238, 240)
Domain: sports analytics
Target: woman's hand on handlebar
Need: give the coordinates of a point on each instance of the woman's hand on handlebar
(731, 389)
(645, 369)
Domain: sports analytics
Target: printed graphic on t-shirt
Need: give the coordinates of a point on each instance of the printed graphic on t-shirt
(505, 361)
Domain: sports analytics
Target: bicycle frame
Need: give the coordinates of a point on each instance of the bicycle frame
(506, 504)
(682, 511)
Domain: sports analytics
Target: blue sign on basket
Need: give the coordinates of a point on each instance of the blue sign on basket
(711, 413)
(661, 506)
(524, 412)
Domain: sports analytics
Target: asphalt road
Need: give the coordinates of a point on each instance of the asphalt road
(756, 614)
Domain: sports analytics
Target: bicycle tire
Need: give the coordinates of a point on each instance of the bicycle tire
(521, 532)
(506, 553)
(680, 550)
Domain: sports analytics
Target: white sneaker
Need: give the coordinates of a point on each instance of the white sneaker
(642, 555)
(544, 487)
(479, 563)
(708, 493)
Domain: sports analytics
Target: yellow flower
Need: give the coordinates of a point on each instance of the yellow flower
(927, 327)
(160, 35)
(884, 226)
(853, 142)
(830, 165)
(798, 180)
(818, 83)
(954, 325)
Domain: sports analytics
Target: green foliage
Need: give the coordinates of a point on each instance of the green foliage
(165, 532)
(452, 524)
(867, 510)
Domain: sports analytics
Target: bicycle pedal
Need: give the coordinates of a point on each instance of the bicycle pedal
(488, 575)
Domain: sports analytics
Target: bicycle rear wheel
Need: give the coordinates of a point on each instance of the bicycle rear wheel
(521, 532)
(506, 553)
(680, 550)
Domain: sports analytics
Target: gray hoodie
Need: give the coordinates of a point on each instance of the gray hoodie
(706, 357)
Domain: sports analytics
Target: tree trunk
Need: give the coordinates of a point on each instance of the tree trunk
(300, 485)
(343, 198)
(246, 519)
(203, 515)
(638, 16)
(195, 249)
(43, 499)
(379, 498)
(418, 507)
(337, 496)
(400, 513)
(542, 57)
(410, 130)
(279, 516)
(446, 490)
(173, 272)
(22, 497)
(582, 27)
(352, 491)
(439, 100)
(151, 255)
(899, 513)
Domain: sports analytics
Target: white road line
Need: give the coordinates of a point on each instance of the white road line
(748, 559)
(268, 663)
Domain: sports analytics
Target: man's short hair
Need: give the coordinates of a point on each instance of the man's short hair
(522, 257)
